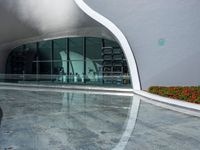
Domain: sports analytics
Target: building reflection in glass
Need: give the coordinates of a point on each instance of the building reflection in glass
(80, 60)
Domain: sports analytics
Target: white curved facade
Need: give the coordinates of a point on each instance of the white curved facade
(162, 36)
(38, 20)
(119, 37)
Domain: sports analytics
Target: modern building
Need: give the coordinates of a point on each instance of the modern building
(111, 43)
(74, 74)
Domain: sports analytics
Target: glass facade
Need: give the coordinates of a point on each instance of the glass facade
(77, 60)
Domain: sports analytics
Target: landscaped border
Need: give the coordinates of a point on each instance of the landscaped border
(169, 101)
(186, 93)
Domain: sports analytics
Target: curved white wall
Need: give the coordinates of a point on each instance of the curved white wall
(164, 36)
(37, 20)
(119, 37)
(33, 19)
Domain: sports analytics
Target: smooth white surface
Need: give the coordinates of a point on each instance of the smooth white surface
(147, 22)
(131, 121)
(31, 19)
(119, 36)
(25, 21)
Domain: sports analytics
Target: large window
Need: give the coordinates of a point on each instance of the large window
(94, 60)
(77, 60)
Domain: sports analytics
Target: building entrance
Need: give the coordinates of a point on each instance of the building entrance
(78, 60)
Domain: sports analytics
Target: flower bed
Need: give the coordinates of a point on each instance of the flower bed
(189, 94)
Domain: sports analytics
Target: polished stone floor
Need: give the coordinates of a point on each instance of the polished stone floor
(61, 121)
(42, 120)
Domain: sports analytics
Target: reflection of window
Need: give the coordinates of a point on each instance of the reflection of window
(44, 55)
(59, 46)
(93, 49)
(45, 50)
(76, 55)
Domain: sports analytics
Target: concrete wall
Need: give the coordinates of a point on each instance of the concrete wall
(164, 36)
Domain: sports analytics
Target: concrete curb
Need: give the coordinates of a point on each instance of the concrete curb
(70, 87)
(169, 101)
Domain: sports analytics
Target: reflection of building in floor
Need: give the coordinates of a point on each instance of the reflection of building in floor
(43, 120)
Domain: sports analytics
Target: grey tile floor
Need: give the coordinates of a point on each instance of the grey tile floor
(162, 129)
(39, 120)
(61, 121)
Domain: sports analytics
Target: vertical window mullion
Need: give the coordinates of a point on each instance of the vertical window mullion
(84, 61)
(68, 59)
(52, 58)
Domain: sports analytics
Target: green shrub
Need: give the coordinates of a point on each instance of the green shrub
(190, 94)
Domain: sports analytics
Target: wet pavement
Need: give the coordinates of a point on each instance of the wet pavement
(42, 120)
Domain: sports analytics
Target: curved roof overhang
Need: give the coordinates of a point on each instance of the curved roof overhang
(37, 20)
